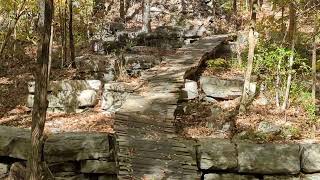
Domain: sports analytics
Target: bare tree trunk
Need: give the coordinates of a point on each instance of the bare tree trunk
(247, 77)
(234, 7)
(283, 26)
(278, 84)
(50, 51)
(287, 92)
(71, 37)
(40, 97)
(64, 34)
(146, 27)
(292, 22)
(314, 60)
(122, 11)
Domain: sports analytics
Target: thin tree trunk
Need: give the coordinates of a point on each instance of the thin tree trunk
(278, 84)
(287, 92)
(283, 26)
(122, 11)
(292, 22)
(234, 7)
(146, 27)
(65, 33)
(71, 41)
(40, 97)
(314, 61)
(61, 18)
(50, 51)
(247, 77)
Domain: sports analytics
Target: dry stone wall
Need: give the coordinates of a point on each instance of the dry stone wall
(221, 159)
(68, 155)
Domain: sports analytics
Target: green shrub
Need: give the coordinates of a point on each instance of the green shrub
(218, 63)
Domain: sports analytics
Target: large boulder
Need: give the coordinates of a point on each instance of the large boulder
(69, 85)
(310, 160)
(223, 89)
(269, 158)
(69, 99)
(15, 142)
(3, 170)
(217, 154)
(76, 146)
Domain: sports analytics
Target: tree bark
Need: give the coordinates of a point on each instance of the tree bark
(122, 11)
(314, 60)
(247, 77)
(40, 97)
(146, 27)
(71, 37)
(234, 7)
(292, 22)
(64, 38)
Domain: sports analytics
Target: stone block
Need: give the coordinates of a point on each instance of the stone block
(76, 146)
(229, 177)
(217, 154)
(15, 142)
(310, 160)
(269, 158)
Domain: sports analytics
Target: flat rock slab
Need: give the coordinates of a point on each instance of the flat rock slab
(229, 177)
(76, 146)
(69, 85)
(15, 142)
(311, 158)
(217, 154)
(269, 158)
(224, 89)
(311, 176)
(280, 178)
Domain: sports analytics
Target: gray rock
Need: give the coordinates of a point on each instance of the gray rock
(97, 166)
(310, 158)
(280, 178)
(190, 90)
(3, 170)
(144, 61)
(261, 101)
(268, 127)
(76, 146)
(269, 158)
(63, 167)
(315, 176)
(69, 99)
(86, 64)
(217, 154)
(224, 89)
(210, 99)
(228, 177)
(112, 101)
(15, 142)
(87, 98)
(69, 85)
